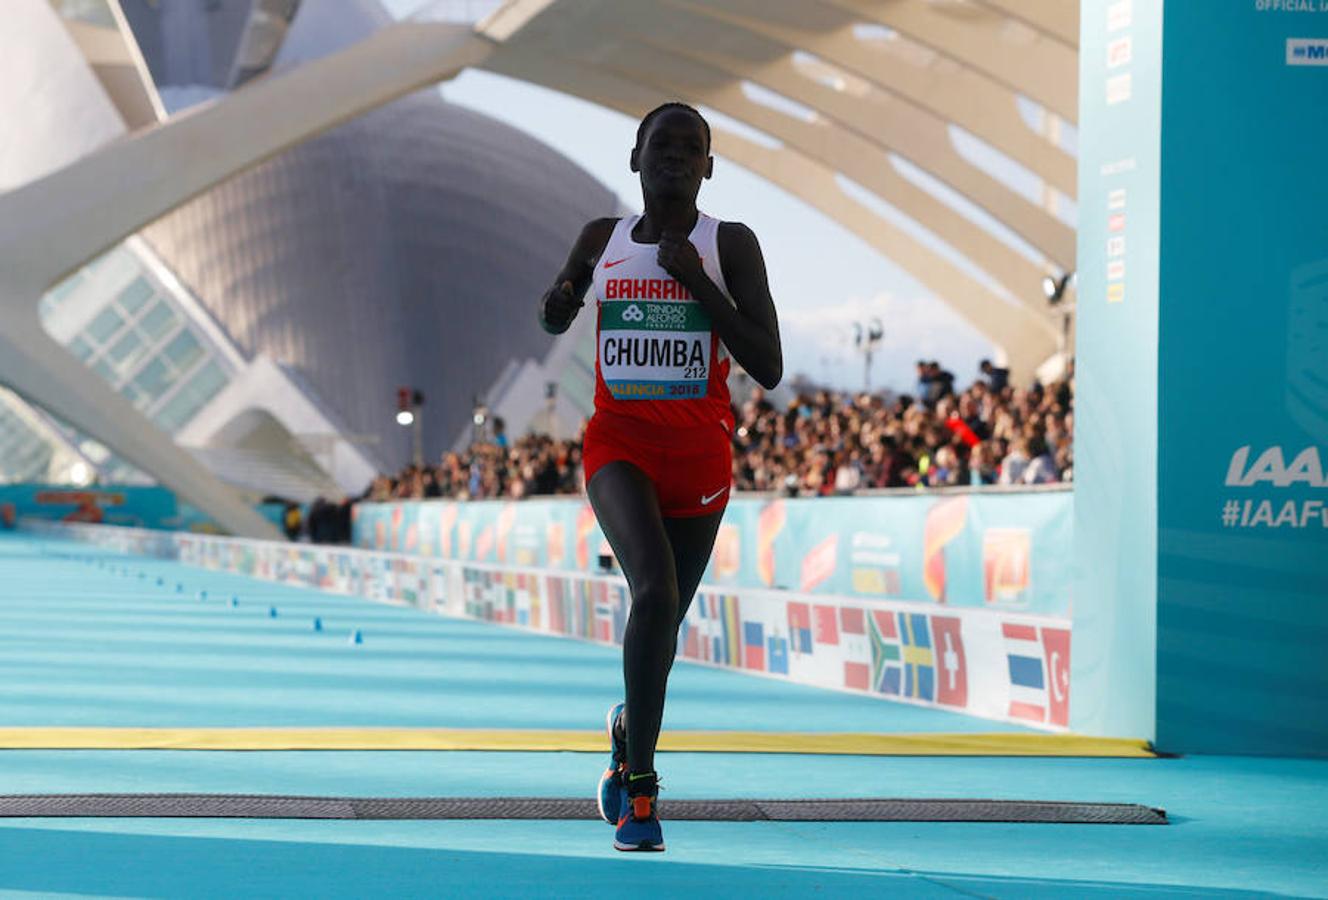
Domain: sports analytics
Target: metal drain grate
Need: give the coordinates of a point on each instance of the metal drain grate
(245, 806)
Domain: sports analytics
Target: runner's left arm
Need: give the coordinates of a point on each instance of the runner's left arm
(748, 326)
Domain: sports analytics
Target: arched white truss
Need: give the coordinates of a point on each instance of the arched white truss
(843, 88)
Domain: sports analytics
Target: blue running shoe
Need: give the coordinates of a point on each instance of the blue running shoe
(610, 783)
(638, 824)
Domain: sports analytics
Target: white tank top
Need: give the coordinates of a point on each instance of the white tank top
(654, 340)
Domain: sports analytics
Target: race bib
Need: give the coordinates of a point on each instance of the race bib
(652, 350)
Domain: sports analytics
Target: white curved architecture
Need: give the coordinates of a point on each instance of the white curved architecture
(937, 109)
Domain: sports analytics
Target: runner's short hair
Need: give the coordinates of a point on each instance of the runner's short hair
(666, 107)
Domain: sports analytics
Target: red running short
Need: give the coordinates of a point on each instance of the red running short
(691, 468)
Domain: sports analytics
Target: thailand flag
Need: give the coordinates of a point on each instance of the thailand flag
(1028, 681)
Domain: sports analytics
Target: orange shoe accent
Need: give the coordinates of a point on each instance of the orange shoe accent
(641, 806)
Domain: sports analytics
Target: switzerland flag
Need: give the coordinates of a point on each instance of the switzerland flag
(951, 667)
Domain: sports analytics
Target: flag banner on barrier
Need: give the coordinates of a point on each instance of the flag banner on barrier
(985, 662)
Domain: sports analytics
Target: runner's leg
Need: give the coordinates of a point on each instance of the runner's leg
(693, 540)
(627, 508)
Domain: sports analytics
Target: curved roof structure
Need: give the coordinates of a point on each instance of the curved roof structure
(941, 131)
(873, 111)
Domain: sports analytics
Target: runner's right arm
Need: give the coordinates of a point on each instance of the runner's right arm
(560, 304)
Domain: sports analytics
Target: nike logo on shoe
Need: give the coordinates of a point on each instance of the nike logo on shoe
(610, 265)
(706, 500)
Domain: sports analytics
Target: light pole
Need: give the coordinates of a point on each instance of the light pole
(865, 338)
(479, 416)
(1053, 289)
(551, 407)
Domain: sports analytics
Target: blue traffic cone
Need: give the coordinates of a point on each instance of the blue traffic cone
(356, 637)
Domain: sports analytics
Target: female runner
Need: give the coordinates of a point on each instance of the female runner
(676, 291)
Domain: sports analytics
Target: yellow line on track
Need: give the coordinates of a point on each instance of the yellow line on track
(861, 744)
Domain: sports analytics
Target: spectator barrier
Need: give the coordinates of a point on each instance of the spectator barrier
(137, 506)
(1007, 551)
(134, 505)
(1006, 658)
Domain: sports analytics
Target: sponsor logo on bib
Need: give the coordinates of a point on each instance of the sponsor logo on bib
(651, 350)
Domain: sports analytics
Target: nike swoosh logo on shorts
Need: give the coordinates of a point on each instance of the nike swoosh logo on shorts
(706, 500)
(610, 265)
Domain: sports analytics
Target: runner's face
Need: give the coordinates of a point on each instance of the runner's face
(673, 156)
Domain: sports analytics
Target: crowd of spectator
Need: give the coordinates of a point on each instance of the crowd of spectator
(829, 443)
(821, 443)
(494, 467)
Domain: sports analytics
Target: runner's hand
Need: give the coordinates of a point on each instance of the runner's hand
(561, 305)
(677, 256)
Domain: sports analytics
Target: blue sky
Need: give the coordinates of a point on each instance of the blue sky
(823, 278)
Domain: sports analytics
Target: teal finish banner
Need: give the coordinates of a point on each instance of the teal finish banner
(1201, 432)
(1243, 379)
(997, 551)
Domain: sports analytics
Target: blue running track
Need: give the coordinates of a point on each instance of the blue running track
(82, 645)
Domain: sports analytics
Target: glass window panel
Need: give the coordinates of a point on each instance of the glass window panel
(159, 320)
(126, 350)
(134, 395)
(154, 379)
(80, 348)
(184, 350)
(133, 297)
(107, 323)
(103, 368)
(193, 396)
